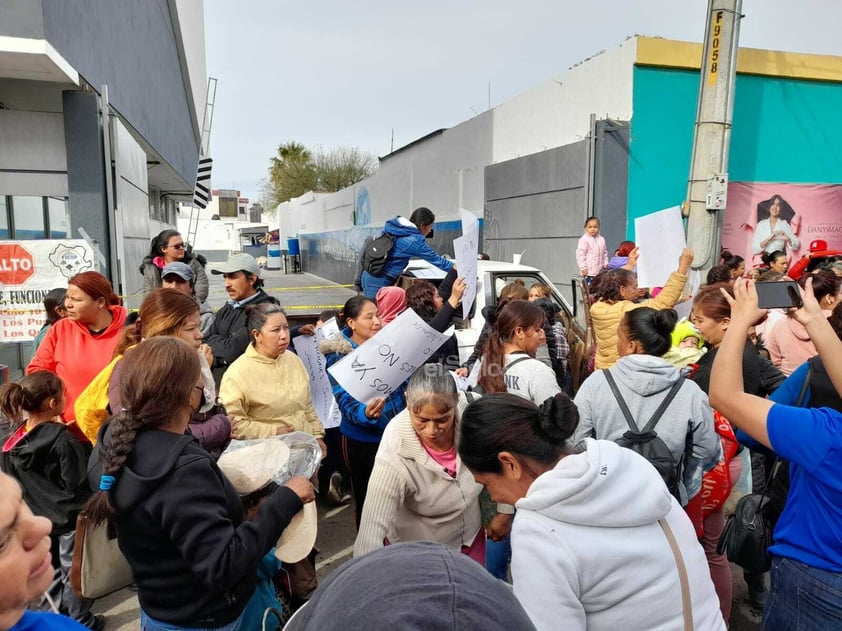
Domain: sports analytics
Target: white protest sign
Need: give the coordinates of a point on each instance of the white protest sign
(307, 349)
(28, 271)
(377, 367)
(660, 237)
(466, 249)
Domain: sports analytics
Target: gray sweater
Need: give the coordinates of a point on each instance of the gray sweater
(644, 381)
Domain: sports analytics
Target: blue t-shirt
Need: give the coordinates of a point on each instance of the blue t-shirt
(810, 528)
(41, 621)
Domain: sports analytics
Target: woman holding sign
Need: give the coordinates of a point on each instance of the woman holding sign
(266, 391)
(362, 424)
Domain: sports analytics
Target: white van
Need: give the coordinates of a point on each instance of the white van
(492, 276)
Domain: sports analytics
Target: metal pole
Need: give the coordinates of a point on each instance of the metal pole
(712, 136)
(111, 210)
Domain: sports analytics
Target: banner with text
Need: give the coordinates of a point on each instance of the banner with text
(28, 271)
(384, 362)
(307, 349)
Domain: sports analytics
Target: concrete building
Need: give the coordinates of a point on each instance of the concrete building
(100, 113)
(610, 137)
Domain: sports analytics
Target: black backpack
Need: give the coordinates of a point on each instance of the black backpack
(376, 253)
(646, 441)
(479, 389)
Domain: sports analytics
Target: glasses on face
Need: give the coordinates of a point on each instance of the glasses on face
(176, 246)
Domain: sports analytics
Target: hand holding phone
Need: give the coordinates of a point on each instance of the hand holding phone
(779, 295)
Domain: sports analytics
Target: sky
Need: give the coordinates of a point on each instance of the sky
(329, 73)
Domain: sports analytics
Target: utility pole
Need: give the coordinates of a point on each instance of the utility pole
(708, 179)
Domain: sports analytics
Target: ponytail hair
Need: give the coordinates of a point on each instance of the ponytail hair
(352, 309)
(30, 395)
(158, 378)
(506, 422)
(651, 327)
(514, 314)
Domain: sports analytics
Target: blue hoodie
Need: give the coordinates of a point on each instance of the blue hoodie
(409, 243)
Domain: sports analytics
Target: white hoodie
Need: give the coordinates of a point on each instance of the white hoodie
(588, 552)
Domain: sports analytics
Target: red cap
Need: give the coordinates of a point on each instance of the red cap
(817, 245)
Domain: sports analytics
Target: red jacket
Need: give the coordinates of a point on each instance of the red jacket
(70, 351)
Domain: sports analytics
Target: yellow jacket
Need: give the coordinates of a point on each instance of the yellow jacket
(260, 394)
(606, 317)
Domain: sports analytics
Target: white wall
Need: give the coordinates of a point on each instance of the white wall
(191, 16)
(558, 112)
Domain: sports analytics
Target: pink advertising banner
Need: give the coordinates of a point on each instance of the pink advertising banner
(766, 217)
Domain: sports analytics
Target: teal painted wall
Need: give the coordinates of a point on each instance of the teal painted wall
(785, 130)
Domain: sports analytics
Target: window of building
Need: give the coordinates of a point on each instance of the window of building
(228, 207)
(28, 218)
(57, 215)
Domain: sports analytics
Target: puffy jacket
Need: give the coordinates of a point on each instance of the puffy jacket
(606, 317)
(409, 243)
(151, 272)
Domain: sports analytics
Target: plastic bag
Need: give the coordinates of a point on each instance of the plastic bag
(304, 458)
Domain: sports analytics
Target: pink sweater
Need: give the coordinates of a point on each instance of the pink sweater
(789, 345)
(591, 254)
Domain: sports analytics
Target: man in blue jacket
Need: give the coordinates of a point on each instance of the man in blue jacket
(409, 235)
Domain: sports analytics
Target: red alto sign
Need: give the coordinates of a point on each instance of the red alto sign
(16, 264)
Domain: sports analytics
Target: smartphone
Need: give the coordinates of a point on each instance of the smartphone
(779, 295)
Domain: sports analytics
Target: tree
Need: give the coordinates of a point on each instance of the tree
(296, 170)
(291, 173)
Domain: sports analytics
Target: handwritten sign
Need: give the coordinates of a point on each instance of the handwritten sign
(384, 362)
(307, 349)
(328, 331)
(466, 249)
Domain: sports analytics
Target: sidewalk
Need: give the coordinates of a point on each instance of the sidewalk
(303, 295)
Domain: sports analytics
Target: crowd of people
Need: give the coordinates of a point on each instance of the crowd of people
(604, 508)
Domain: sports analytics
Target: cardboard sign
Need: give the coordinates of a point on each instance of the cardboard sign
(384, 362)
(307, 349)
(29, 270)
(660, 237)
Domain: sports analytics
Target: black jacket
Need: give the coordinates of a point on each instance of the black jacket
(228, 337)
(182, 527)
(49, 462)
(760, 376)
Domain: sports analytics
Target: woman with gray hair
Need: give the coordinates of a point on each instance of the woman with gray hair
(419, 489)
(266, 391)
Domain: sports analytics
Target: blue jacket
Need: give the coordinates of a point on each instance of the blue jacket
(355, 424)
(409, 243)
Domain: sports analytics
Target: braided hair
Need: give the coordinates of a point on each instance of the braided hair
(159, 376)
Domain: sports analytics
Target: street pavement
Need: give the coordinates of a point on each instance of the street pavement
(304, 296)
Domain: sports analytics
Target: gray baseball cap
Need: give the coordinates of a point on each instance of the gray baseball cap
(238, 263)
(182, 270)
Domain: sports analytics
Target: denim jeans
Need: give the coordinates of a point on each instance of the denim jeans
(802, 598)
(372, 283)
(150, 624)
(497, 555)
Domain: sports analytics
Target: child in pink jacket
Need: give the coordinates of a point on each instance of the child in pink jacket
(591, 252)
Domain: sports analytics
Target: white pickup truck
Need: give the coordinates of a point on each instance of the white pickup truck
(492, 276)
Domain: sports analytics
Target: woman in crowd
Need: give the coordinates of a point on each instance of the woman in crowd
(169, 247)
(776, 261)
(424, 299)
(512, 291)
(582, 553)
(171, 312)
(419, 489)
(806, 555)
(615, 292)
(362, 423)
(180, 523)
(773, 231)
(409, 241)
(719, 274)
(77, 347)
(644, 380)
(735, 263)
(54, 310)
(391, 301)
(788, 342)
(621, 255)
(539, 290)
(25, 569)
(267, 390)
(711, 315)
